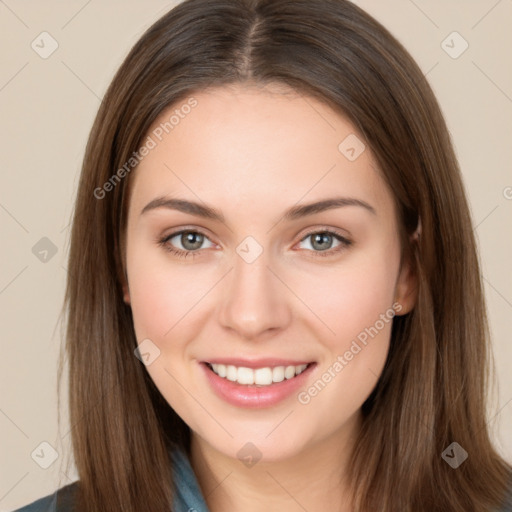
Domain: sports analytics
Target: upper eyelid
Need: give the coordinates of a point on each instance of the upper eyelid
(187, 230)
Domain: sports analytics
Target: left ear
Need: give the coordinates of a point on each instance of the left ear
(406, 290)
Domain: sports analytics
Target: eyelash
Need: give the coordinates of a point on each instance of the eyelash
(345, 243)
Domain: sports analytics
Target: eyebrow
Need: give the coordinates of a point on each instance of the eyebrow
(296, 212)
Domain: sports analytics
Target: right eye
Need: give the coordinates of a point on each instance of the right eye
(190, 241)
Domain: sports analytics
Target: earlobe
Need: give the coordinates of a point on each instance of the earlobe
(406, 291)
(126, 291)
(417, 233)
(126, 294)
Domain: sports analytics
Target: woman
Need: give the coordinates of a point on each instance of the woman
(274, 299)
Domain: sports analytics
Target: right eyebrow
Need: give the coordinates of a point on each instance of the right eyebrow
(184, 206)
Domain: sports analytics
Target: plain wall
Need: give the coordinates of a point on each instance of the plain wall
(48, 106)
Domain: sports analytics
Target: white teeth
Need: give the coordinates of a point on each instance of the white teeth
(245, 376)
(231, 373)
(263, 376)
(289, 372)
(278, 374)
(260, 376)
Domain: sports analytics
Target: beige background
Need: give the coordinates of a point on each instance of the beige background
(47, 108)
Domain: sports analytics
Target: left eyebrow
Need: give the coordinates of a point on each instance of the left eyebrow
(296, 212)
(327, 204)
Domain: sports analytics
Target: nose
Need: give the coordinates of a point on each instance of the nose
(255, 301)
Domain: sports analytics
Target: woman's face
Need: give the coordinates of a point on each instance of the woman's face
(262, 283)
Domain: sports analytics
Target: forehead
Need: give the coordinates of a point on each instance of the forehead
(259, 146)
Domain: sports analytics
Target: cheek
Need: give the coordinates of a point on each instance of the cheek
(162, 303)
(356, 306)
(361, 316)
(161, 297)
(151, 303)
(351, 301)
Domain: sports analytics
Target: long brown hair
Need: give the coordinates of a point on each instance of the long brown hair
(433, 389)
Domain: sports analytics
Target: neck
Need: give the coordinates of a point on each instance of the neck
(315, 478)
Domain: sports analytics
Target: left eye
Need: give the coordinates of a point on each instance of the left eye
(323, 241)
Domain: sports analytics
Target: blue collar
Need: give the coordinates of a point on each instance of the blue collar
(188, 494)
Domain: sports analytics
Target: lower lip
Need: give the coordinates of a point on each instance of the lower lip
(254, 396)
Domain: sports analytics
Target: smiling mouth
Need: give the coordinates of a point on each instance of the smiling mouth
(265, 376)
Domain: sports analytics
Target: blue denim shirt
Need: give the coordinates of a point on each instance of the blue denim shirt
(188, 496)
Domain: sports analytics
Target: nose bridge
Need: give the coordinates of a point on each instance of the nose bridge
(255, 300)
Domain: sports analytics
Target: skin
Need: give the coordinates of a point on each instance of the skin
(252, 153)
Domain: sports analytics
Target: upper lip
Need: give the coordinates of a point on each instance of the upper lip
(256, 363)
